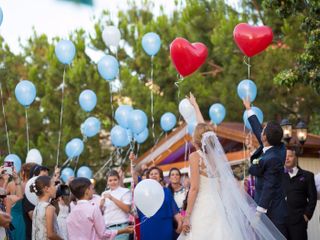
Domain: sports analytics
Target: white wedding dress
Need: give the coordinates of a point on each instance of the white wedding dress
(207, 219)
(222, 210)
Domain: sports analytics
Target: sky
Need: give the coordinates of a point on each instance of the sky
(58, 18)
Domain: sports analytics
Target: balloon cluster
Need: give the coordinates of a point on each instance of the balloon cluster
(131, 124)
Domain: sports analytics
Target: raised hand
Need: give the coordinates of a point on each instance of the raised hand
(192, 100)
(132, 156)
(247, 103)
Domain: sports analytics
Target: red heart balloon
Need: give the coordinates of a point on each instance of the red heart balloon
(252, 40)
(187, 57)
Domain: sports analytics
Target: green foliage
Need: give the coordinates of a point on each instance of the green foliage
(306, 67)
(210, 22)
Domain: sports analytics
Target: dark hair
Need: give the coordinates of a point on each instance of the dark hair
(25, 170)
(273, 133)
(78, 186)
(145, 172)
(113, 173)
(159, 171)
(39, 184)
(36, 169)
(170, 184)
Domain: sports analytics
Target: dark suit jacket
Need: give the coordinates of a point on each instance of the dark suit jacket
(301, 195)
(269, 193)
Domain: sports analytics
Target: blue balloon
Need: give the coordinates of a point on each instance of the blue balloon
(151, 43)
(65, 51)
(217, 113)
(66, 173)
(16, 161)
(119, 136)
(191, 127)
(168, 121)
(91, 126)
(122, 115)
(258, 113)
(1, 16)
(74, 148)
(247, 88)
(129, 134)
(108, 67)
(85, 172)
(87, 100)
(138, 121)
(142, 137)
(25, 93)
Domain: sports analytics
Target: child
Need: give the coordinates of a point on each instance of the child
(44, 220)
(85, 222)
(64, 208)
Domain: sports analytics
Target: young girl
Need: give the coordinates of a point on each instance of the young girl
(64, 210)
(44, 221)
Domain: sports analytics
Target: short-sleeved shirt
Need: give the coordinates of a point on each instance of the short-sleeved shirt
(112, 213)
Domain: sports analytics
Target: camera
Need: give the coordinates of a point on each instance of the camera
(8, 167)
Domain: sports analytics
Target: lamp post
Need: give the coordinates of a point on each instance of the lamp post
(301, 133)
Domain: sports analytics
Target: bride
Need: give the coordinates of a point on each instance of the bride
(217, 208)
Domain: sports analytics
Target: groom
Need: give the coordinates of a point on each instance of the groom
(267, 166)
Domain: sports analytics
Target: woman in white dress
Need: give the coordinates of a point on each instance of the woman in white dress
(217, 208)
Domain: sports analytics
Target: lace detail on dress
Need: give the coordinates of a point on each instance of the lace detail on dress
(204, 170)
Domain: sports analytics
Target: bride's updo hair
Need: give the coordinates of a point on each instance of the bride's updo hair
(200, 129)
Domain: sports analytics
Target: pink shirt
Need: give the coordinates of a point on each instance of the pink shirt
(85, 222)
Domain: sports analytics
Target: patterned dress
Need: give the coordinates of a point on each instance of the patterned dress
(39, 223)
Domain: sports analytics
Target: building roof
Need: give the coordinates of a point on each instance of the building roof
(173, 149)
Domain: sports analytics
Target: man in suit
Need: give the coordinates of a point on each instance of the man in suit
(301, 196)
(267, 166)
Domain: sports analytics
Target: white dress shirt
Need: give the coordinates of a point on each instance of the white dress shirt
(294, 172)
(112, 213)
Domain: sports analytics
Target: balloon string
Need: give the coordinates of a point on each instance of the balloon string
(119, 72)
(27, 127)
(143, 221)
(177, 83)
(76, 165)
(5, 120)
(104, 165)
(152, 100)
(159, 138)
(248, 65)
(61, 115)
(138, 150)
(111, 103)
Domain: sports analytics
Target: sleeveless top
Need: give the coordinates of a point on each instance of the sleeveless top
(39, 223)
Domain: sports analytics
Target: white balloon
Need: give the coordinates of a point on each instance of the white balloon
(148, 197)
(34, 156)
(111, 36)
(187, 111)
(31, 196)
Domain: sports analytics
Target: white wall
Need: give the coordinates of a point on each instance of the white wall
(312, 165)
